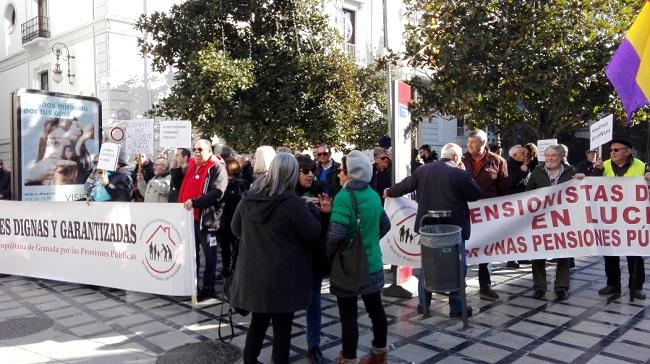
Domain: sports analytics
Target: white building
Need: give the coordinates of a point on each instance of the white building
(100, 38)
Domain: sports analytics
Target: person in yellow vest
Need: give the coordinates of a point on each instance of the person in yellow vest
(622, 164)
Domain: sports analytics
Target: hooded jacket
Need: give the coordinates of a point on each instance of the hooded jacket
(273, 273)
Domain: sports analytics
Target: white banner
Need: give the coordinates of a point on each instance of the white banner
(175, 134)
(401, 246)
(601, 132)
(109, 244)
(542, 144)
(139, 136)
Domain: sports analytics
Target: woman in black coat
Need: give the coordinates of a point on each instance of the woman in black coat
(273, 273)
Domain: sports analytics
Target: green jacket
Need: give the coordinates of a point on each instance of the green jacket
(539, 178)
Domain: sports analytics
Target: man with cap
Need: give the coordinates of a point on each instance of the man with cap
(622, 164)
(586, 166)
(441, 185)
(5, 182)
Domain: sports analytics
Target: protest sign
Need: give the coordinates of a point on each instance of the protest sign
(108, 156)
(601, 132)
(175, 134)
(401, 245)
(139, 136)
(120, 245)
(542, 144)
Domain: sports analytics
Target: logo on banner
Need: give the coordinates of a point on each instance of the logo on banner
(161, 243)
(402, 235)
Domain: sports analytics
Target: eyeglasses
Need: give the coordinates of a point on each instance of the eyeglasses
(322, 154)
(307, 170)
(198, 150)
(616, 150)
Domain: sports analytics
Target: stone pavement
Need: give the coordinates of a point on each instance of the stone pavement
(44, 321)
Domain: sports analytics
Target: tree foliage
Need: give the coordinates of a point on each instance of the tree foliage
(502, 62)
(263, 72)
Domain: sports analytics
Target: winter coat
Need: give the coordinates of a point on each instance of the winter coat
(119, 185)
(157, 189)
(539, 178)
(273, 273)
(517, 179)
(210, 201)
(492, 175)
(333, 184)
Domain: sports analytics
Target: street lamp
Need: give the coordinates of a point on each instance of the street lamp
(57, 73)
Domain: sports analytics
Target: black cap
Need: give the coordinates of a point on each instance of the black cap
(623, 141)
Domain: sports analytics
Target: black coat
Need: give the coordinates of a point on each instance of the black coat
(120, 186)
(441, 187)
(332, 185)
(5, 185)
(273, 273)
(517, 179)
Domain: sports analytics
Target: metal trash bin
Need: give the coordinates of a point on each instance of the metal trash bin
(440, 248)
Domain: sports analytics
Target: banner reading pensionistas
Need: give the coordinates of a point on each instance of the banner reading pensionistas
(595, 216)
(111, 244)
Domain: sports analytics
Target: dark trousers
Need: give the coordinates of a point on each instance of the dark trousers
(561, 275)
(484, 281)
(281, 336)
(226, 241)
(201, 240)
(636, 267)
(350, 326)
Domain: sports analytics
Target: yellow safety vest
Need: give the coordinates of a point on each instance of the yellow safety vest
(637, 169)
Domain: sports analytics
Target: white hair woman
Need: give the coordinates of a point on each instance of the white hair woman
(273, 272)
(262, 160)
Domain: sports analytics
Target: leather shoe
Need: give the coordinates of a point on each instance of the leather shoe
(315, 355)
(562, 295)
(538, 294)
(488, 294)
(609, 290)
(205, 295)
(637, 294)
(460, 313)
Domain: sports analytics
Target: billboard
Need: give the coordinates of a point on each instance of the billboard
(55, 138)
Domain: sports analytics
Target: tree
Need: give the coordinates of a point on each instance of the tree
(263, 72)
(506, 62)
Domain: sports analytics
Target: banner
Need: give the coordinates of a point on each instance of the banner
(110, 244)
(401, 245)
(595, 216)
(57, 137)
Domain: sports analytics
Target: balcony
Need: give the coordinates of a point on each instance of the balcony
(38, 27)
(351, 51)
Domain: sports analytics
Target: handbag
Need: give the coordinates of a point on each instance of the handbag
(350, 264)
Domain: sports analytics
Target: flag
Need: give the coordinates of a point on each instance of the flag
(629, 69)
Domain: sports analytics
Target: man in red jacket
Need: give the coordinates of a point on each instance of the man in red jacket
(490, 172)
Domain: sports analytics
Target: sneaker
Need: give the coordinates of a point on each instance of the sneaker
(538, 294)
(315, 356)
(488, 294)
(460, 313)
(608, 290)
(638, 294)
(562, 295)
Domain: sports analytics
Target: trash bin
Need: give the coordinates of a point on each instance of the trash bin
(439, 246)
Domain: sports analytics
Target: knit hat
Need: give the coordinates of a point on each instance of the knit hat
(359, 166)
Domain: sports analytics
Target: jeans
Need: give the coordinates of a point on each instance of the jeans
(424, 297)
(201, 240)
(314, 315)
(350, 326)
(281, 336)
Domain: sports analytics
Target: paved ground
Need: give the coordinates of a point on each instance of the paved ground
(73, 323)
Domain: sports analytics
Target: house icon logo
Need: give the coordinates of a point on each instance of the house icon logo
(162, 242)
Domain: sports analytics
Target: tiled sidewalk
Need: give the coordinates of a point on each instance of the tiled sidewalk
(97, 325)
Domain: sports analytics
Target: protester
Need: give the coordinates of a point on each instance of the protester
(227, 240)
(381, 172)
(586, 166)
(273, 273)
(427, 154)
(533, 151)
(496, 148)
(203, 186)
(491, 174)
(119, 183)
(262, 161)
(442, 185)
(157, 190)
(327, 170)
(5, 182)
(622, 164)
(141, 174)
(312, 190)
(355, 173)
(246, 168)
(554, 171)
(415, 160)
(93, 188)
(518, 171)
(177, 169)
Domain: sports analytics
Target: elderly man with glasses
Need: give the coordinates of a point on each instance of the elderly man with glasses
(622, 164)
(381, 172)
(327, 170)
(5, 182)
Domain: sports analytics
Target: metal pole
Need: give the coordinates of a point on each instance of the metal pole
(389, 101)
(462, 293)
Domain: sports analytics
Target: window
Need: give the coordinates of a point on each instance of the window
(460, 126)
(10, 18)
(45, 80)
(349, 18)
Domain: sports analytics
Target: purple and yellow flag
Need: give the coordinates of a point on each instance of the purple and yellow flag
(629, 69)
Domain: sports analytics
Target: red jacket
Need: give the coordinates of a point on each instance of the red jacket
(492, 175)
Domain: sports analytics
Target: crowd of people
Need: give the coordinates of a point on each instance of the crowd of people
(280, 218)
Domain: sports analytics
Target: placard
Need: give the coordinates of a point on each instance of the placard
(542, 144)
(601, 132)
(175, 134)
(108, 156)
(139, 136)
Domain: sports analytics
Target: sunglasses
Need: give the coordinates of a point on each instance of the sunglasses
(322, 154)
(307, 170)
(616, 150)
(198, 150)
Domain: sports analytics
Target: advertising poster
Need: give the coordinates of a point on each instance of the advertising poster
(56, 136)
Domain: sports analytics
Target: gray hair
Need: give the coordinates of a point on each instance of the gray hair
(515, 148)
(449, 150)
(479, 134)
(263, 157)
(558, 148)
(282, 176)
(204, 143)
(166, 162)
